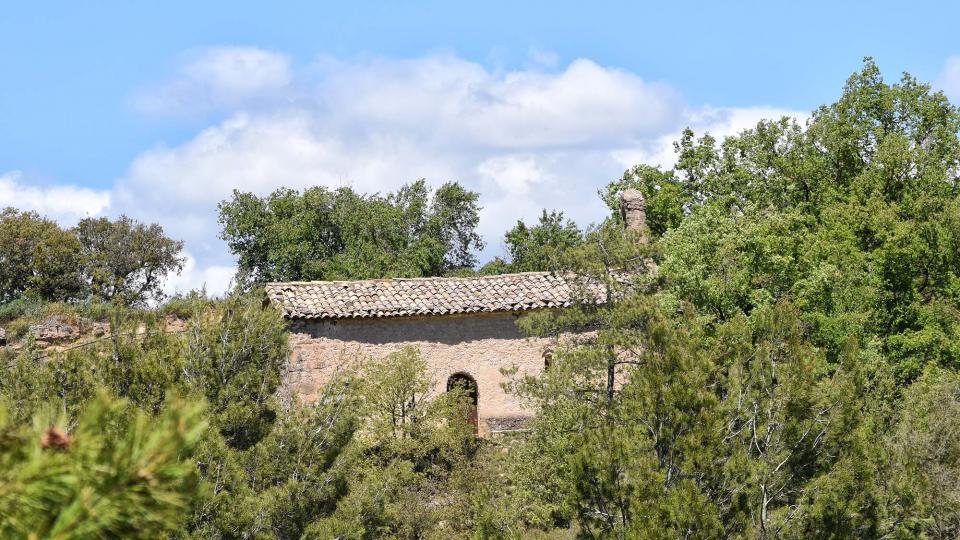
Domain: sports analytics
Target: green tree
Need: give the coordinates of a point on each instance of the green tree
(125, 260)
(270, 468)
(924, 450)
(776, 413)
(636, 456)
(854, 216)
(235, 357)
(536, 248)
(265, 468)
(290, 478)
(37, 258)
(139, 361)
(405, 456)
(849, 494)
(111, 476)
(329, 235)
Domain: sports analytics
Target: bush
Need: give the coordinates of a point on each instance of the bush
(184, 306)
(19, 307)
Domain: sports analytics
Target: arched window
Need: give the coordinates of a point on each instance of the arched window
(469, 386)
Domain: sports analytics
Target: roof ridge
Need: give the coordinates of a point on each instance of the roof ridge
(421, 278)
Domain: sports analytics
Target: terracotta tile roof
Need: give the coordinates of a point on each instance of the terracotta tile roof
(422, 296)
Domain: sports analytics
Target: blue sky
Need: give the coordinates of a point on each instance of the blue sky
(158, 109)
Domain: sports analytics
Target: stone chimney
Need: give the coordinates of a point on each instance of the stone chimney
(633, 210)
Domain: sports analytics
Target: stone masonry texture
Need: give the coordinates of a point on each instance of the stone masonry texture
(478, 345)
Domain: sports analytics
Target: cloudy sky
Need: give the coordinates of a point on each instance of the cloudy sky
(158, 110)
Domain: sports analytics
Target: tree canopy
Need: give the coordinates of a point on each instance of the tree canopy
(121, 261)
(323, 234)
(854, 217)
(784, 369)
(536, 248)
(37, 257)
(126, 260)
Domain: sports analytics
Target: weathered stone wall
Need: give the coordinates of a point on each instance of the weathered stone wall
(477, 345)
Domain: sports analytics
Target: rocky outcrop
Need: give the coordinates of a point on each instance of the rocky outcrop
(54, 330)
(506, 424)
(175, 324)
(99, 329)
(633, 210)
(58, 331)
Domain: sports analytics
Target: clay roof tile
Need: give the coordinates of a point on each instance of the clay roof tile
(412, 296)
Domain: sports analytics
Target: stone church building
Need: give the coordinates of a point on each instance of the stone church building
(465, 328)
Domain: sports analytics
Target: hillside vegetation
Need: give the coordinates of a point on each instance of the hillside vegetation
(784, 361)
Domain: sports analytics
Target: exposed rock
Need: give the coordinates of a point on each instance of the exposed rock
(504, 424)
(3, 336)
(633, 209)
(54, 330)
(175, 324)
(100, 329)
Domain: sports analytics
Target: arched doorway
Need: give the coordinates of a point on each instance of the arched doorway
(469, 385)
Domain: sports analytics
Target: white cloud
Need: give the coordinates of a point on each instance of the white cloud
(66, 204)
(455, 102)
(215, 279)
(239, 71)
(949, 79)
(512, 174)
(526, 139)
(219, 78)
